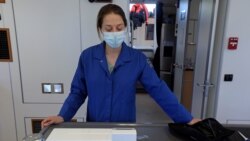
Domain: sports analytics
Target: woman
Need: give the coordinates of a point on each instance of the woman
(107, 74)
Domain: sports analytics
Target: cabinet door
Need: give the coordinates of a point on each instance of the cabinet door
(48, 37)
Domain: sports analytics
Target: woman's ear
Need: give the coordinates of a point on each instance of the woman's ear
(101, 35)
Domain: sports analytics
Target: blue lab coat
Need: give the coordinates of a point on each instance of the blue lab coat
(111, 96)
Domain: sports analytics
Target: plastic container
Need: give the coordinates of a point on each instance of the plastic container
(34, 137)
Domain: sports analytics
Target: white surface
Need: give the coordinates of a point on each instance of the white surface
(233, 98)
(70, 134)
(7, 124)
(7, 117)
(48, 36)
(92, 134)
(121, 134)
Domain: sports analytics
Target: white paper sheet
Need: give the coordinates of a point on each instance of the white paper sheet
(80, 134)
(92, 134)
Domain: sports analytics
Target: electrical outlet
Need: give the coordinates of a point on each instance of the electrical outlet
(228, 77)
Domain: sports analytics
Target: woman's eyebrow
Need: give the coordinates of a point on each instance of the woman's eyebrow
(115, 25)
(120, 24)
(108, 25)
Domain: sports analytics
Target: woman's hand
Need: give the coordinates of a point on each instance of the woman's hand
(51, 120)
(193, 121)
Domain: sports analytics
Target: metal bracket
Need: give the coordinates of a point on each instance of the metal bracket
(206, 84)
(178, 66)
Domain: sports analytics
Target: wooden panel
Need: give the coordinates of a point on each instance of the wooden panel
(2, 1)
(187, 89)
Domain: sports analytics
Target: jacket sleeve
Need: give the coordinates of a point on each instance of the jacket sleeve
(77, 93)
(160, 92)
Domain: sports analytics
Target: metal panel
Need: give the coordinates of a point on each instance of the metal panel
(202, 56)
(180, 46)
(216, 61)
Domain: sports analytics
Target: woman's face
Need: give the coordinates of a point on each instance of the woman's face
(112, 23)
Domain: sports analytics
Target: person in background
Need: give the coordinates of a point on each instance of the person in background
(107, 74)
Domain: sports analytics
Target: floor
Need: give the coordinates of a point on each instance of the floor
(148, 110)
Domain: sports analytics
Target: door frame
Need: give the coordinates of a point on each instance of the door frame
(204, 54)
(182, 24)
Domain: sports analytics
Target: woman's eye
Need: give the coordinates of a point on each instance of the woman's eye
(108, 30)
(120, 28)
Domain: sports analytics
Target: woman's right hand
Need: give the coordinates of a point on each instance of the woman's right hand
(51, 120)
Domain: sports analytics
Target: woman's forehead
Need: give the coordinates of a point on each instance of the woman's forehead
(112, 19)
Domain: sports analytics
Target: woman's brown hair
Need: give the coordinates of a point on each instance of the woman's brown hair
(108, 9)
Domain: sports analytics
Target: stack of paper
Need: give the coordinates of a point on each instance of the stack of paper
(92, 134)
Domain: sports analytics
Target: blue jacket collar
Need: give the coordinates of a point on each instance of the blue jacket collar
(125, 54)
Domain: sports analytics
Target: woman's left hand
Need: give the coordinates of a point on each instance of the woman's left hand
(193, 121)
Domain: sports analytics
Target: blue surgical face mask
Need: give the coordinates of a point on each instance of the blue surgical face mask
(114, 39)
